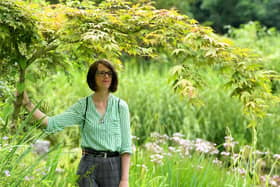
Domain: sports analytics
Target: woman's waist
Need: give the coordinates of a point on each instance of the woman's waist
(99, 153)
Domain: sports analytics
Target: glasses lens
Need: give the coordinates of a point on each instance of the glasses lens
(104, 73)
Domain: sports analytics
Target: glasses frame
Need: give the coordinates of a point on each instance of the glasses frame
(104, 73)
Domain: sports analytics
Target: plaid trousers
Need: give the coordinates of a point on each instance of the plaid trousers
(99, 172)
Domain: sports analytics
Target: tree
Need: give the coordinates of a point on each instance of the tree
(23, 42)
(86, 32)
(219, 14)
(18, 32)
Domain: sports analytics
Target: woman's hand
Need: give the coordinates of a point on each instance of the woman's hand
(26, 99)
(124, 183)
(38, 114)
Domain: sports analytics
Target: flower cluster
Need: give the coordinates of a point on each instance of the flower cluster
(161, 146)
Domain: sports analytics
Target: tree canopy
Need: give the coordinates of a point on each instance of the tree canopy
(49, 36)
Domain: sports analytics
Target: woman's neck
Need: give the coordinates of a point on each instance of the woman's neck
(101, 96)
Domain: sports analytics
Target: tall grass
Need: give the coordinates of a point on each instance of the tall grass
(20, 166)
(178, 172)
(155, 107)
(15, 153)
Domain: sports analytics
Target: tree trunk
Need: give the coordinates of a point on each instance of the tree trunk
(19, 98)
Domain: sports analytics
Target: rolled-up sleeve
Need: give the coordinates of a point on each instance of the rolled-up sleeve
(72, 116)
(125, 129)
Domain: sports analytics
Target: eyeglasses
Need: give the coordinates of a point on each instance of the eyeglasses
(104, 73)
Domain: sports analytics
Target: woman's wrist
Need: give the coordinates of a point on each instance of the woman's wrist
(29, 106)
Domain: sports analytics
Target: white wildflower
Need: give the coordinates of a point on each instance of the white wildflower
(229, 138)
(205, 147)
(177, 134)
(155, 134)
(273, 183)
(257, 152)
(135, 138)
(171, 149)
(241, 171)
(157, 158)
(276, 156)
(59, 170)
(217, 161)
(153, 147)
(7, 173)
(225, 153)
(142, 166)
(41, 146)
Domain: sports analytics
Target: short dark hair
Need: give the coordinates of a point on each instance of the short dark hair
(92, 71)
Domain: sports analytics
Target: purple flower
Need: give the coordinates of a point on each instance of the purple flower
(241, 171)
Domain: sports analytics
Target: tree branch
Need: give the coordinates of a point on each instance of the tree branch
(41, 52)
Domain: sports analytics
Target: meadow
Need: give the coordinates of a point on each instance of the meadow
(176, 142)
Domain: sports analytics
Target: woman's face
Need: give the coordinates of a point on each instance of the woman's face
(103, 77)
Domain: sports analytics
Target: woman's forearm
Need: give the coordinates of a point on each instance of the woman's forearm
(125, 166)
(38, 114)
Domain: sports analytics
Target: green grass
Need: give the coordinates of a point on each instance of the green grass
(177, 171)
(154, 107)
(34, 170)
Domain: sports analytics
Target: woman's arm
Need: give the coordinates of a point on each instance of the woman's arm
(126, 149)
(125, 160)
(38, 114)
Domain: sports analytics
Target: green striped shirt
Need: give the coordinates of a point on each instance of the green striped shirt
(110, 132)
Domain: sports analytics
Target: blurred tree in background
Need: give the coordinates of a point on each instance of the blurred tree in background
(219, 13)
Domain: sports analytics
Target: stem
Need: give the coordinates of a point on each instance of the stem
(19, 98)
(253, 155)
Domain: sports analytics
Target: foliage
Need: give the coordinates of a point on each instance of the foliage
(154, 106)
(265, 40)
(218, 13)
(18, 35)
(79, 33)
(116, 27)
(22, 44)
(21, 166)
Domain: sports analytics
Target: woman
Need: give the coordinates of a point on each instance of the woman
(105, 129)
